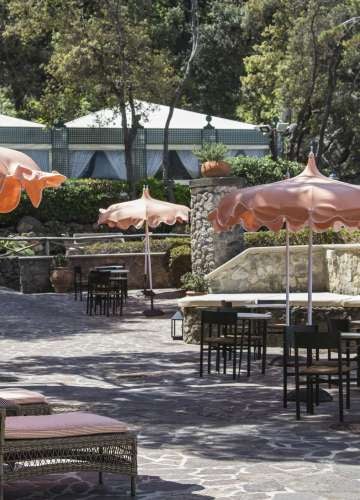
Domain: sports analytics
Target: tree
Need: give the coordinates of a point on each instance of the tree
(306, 62)
(178, 90)
(102, 54)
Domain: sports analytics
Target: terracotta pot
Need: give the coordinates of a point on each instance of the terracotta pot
(62, 279)
(191, 293)
(215, 169)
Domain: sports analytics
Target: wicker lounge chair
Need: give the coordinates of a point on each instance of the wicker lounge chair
(77, 441)
(18, 401)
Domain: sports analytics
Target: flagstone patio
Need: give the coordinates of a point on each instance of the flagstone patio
(206, 439)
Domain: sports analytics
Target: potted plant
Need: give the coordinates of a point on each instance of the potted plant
(194, 284)
(212, 160)
(61, 276)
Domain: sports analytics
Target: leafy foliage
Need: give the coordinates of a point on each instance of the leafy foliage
(14, 247)
(215, 151)
(179, 262)
(75, 201)
(157, 245)
(262, 170)
(270, 239)
(194, 282)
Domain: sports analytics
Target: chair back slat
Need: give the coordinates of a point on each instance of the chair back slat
(337, 325)
(219, 317)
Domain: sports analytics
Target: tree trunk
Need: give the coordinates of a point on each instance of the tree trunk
(177, 94)
(331, 86)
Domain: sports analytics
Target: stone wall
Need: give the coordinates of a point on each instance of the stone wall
(9, 272)
(209, 250)
(262, 269)
(344, 268)
(32, 274)
(133, 262)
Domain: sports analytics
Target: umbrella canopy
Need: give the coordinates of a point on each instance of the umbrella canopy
(309, 199)
(145, 210)
(18, 171)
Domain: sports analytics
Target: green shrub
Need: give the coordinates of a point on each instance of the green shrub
(14, 246)
(194, 282)
(157, 245)
(213, 151)
(270, 239)
(77, 200)
(262, 170)
(179, 262)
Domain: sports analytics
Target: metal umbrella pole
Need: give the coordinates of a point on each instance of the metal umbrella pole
(152, 311)
(310, 275)
(287, 272)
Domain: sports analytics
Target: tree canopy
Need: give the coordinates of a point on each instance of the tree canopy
(257, 60)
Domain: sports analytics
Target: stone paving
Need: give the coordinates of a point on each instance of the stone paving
(205, 439)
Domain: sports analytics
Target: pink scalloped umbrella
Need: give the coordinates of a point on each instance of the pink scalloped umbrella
(19, 172)
(307, 200)
(146, 211)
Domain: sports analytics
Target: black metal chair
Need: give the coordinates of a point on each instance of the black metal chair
(308, 338)
(80, 283)
(342, 325)
(99, 293)
(219, 333)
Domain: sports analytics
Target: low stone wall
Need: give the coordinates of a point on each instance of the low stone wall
(134, 262)
(336, 268)
(32, 274)
(10, 272)
(192, 320)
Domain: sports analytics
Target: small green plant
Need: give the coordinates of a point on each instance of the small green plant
(215, 151)
(193, 282)
(60, 260)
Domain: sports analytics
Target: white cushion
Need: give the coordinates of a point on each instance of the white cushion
(21, 396)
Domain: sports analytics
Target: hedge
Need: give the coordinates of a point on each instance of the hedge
(179, 263)
(270, 239)
(79, 200)
(262, 170)
(157, 245)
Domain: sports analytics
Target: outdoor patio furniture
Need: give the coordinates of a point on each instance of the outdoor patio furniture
(80, 282)
(253, 333)
(219, 333)
(312, 341)
(20, 401)
(106, 292)
(77, 441)
(343, 326)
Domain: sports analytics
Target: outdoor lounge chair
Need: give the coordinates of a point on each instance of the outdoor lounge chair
(18, 401)
(77, 441)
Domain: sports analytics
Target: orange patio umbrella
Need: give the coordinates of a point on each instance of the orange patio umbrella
(307, 200)
(146, 211)
(17, 172)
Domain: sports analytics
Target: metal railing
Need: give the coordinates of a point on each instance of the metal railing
(76, 239)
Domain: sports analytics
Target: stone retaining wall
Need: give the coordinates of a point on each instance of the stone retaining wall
(336, 268)
(32, 274)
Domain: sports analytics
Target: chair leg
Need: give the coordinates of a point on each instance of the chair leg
(358, 365)
(348, 391)
(133, 486)
(209, 359)
(341, 399)
(297, 394)
(201, 357)
(234, 361)
(101, 478)
(264, 340)
(249, 350)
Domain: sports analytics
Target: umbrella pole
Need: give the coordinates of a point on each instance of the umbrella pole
(152, 311)
(310, 277)
(145, 264)
(287, 271)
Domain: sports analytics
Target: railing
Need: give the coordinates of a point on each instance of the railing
(48, 239)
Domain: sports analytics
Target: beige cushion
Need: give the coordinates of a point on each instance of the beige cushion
(61, 425)
(21, 396)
